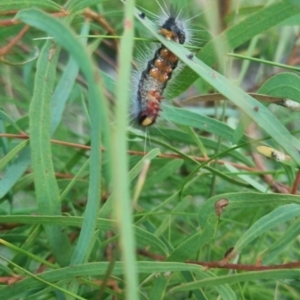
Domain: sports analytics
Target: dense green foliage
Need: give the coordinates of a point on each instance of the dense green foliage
(95, 207)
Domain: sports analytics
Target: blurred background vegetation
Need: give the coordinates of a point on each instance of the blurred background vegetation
(202, 205)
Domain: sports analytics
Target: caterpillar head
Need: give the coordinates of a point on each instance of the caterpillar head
(172, 30)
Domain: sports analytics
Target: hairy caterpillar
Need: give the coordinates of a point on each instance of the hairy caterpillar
(159, 69)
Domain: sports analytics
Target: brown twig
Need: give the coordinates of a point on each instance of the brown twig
(220, 264)
(244, 267)
(296, 183)
(224, 10)
(11, 22)
(14, 41)
(42, 268)
(9, 226)
(293, 58)
(10, 280)
(88, 13)
(4, 23)
(8, 12)
(138, 153)
(111, 283)
(14, 12)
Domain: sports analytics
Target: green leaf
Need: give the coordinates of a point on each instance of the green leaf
(191, 245)
(281, 244)
(14, 172)
(159, 288)
(98, 269)
(47, 192)
(6, 118)
(283, 85)
(179, 208)
(63, 90)
(12, 154)
(292, 21)
(277, 216)
(224, 204)
(256, 185)
(164, 172)
(199, 293)
(144, 238)
(76, 6)
(74, 180)
(121, 194)
(172, 135)
(106, 209)
(185, 117)
(232, 279)
(21, 4)
(57, 287)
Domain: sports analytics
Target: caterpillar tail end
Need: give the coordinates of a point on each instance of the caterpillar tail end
(146, 120)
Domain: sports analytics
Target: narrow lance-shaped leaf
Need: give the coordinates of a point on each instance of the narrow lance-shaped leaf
(47, 192)
(284, 85)
(21, 4)
(279, 215)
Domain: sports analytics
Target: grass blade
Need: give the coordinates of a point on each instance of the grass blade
(121, 194)
(46, 187)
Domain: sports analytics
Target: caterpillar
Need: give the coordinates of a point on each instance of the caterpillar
(159, 69)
